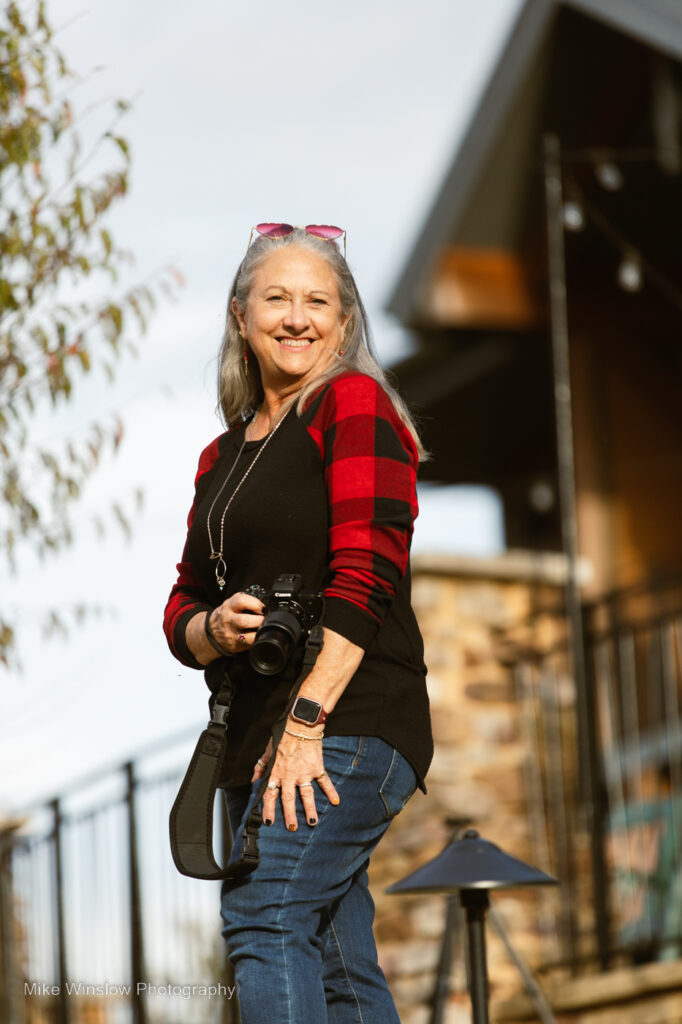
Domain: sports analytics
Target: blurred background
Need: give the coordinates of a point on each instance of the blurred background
(509, 179)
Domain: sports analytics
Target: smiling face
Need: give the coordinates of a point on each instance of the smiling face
(292, 319)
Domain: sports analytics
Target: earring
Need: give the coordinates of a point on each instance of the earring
(245, 357)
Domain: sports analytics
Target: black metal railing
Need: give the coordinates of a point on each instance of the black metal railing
(611, 829)
(96, 924)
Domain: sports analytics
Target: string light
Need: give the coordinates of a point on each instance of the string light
(574, 216)
(609, 176)
(629, 275)
(634, 269)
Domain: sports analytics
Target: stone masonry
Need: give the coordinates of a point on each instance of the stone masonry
(468, 609)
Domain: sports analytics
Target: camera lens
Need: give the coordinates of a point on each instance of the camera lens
(274, 642)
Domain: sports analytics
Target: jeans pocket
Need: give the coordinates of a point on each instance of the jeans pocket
(398, 786)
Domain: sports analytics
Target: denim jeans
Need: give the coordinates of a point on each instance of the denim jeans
(299, 928)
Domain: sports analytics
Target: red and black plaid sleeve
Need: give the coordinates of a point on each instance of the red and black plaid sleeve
(187, 596)
(370, 466)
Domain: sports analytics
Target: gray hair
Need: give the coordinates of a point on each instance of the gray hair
(240, 389)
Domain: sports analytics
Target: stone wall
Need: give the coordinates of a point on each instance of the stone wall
(468, 610)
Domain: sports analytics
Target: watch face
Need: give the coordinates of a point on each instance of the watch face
(306, 710)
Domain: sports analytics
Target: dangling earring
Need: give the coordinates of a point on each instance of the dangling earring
(245, 360)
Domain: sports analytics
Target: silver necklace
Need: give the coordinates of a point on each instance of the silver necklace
(220, 566)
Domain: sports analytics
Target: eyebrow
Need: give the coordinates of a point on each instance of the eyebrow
(283, 288)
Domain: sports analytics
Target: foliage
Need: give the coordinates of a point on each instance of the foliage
(56, 253)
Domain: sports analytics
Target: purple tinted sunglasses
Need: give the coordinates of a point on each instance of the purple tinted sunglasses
(328, 232)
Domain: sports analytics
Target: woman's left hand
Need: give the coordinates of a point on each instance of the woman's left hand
(298, 766)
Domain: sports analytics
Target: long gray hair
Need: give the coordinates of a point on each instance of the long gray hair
(240, 389)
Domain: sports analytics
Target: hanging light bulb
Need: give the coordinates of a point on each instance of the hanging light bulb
(609, 176)
(541, 496)
(630, 276)
(573, 215)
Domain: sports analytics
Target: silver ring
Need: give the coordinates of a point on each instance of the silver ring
(241, 637)
(321, 775)
(272, 786)
(260, 762)
(302, 785)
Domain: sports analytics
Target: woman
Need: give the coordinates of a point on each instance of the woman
(319, 480)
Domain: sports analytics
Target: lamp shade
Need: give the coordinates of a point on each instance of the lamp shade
(471, 863)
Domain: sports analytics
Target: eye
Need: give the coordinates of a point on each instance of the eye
(275, 298)
(319, 302)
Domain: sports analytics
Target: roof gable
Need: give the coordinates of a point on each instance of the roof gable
(655, 23)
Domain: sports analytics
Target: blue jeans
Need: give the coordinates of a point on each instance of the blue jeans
(299, 928)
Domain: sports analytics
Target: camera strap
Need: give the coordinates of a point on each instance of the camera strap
(191, 816)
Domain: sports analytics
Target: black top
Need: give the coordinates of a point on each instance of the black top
(305, 508)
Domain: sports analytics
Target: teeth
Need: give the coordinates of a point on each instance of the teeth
(294, 343)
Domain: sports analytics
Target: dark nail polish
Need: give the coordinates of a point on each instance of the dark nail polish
(268, 821)
(292, 828)
(312, 821)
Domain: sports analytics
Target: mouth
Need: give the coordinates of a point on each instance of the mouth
(295, 342)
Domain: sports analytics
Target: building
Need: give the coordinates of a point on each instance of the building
(587, 97)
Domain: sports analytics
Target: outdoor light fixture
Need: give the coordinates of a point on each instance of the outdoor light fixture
(471, 866)
(609, 176)
(629, 274)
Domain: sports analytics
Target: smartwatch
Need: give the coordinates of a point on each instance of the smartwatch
(308, 712)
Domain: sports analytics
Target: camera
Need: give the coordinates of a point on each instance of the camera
(290, 614)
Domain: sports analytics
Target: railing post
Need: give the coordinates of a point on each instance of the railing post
(6, 930)
(601, 889)
(136, 944)
(62, 1015)
(588, 760)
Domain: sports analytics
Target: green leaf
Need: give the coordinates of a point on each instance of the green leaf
(120, 142)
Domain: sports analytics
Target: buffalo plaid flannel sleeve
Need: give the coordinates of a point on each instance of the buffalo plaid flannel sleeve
(187, 596)
(370, 467)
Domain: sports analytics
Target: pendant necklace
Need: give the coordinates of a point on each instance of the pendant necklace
(217, 556)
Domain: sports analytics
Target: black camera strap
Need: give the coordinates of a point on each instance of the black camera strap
(191, 817)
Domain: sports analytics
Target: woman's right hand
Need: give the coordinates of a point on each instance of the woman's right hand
(234, 623)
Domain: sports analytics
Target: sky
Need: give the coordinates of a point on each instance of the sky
(305, 112)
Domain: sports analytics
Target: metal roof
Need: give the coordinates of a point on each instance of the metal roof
(657, 23)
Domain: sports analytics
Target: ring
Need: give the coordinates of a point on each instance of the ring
(321, 775)
(260, 762)
(302, 785)
(272, 785)
(241, 637)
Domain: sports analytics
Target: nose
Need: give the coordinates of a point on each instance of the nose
(296, 317)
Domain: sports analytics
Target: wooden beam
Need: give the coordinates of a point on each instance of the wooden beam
(480, 287)
(621, 994)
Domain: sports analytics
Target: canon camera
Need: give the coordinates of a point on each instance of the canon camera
(290, 614)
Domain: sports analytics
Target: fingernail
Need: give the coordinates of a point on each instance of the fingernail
(312, 821)
(335, 800)
(292, 828)
(268, 821)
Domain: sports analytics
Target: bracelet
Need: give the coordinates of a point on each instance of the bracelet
(211, 638)
(302, 736)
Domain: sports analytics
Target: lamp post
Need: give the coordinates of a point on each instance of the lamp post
(471, 866)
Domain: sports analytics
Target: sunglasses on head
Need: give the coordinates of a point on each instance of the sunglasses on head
(328, 232)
